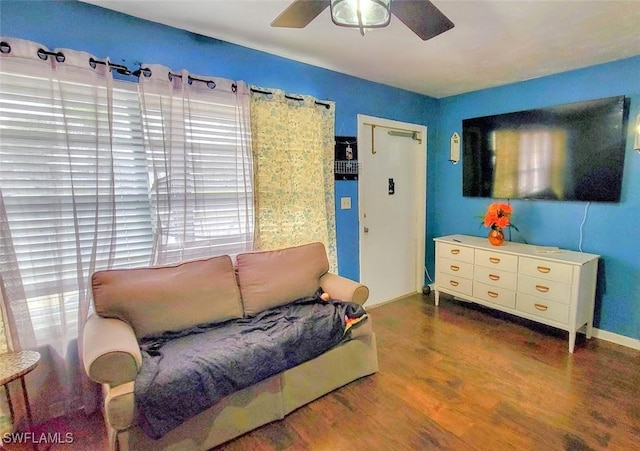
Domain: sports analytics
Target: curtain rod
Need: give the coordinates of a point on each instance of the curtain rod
(5, 47)
(288, 96)
(210, 83)
(123, 70)
(43, 54)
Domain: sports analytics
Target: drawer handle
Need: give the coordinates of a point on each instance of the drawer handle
(540, 307)
(455, 268)
(454, 283)
(494, 277)
(455, 251)
(494, 259)
(492, 294)
(544, 269)
(542, 288)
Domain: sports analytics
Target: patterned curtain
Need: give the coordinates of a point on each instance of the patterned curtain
(293, 151)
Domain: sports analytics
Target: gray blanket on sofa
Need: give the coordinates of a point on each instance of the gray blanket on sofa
(184, 373)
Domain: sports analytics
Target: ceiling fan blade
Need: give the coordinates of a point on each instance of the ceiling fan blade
(300, 13)
(422, 17)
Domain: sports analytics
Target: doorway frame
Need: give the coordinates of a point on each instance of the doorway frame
(365, 123)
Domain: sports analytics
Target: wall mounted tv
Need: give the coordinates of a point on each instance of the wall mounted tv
(567, 152)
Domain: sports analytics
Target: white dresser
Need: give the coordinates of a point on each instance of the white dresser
(548, 285)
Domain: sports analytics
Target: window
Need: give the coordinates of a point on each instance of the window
(200, 168)
(56, 193)
(88, 184)
(81, 190)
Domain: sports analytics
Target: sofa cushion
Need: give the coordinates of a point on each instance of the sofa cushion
(271, 278)
(163, 298)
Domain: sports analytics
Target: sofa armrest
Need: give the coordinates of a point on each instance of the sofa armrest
(344, 289)
(111, 354)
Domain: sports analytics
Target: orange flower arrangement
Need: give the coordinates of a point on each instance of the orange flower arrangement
(498, 216)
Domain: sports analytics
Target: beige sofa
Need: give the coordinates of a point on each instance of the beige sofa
(132, 303)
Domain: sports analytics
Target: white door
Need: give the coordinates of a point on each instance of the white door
(392, 206)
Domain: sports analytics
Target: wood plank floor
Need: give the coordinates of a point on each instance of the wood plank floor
(461, 377)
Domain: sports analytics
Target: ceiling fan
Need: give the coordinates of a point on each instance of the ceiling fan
(421, 16)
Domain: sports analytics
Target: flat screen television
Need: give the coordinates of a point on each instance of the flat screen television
(571, 152)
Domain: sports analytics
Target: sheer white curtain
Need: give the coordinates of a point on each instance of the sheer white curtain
(89, 182)
(198, 142)
(73, 200)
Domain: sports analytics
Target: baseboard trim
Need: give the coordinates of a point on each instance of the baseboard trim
(372, 306)
(616, 338)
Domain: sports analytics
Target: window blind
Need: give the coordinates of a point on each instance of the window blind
(199, 153)
(48, 147)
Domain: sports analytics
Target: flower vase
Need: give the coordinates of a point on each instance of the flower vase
(496, 237)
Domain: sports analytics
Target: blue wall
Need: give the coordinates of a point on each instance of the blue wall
(610, 230)
(348, 230)
(131, 41)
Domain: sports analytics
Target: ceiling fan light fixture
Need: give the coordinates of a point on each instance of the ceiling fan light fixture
(421, 16)
(361, 14)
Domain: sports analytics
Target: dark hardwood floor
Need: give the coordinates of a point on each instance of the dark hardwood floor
(463, 377)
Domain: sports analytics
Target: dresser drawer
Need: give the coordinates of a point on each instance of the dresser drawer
(497, 260)
(556, 288)
(495, 277)
(456, 268)
(495, 295)
(543, 308)
(455, 252)
(545, 289)
(546, 270)
(454, 283)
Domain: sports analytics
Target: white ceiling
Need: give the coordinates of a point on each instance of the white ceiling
(494, 42)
